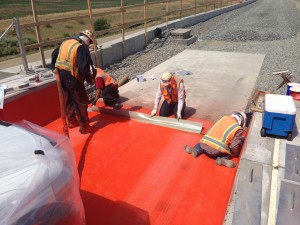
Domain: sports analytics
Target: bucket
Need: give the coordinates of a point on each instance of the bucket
(289, 86)
(295, 92)
(139, 78)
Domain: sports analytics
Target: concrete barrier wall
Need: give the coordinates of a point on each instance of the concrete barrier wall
(113, 51)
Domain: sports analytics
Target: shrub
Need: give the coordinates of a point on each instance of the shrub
(101, 24)
(28, 41)
(11, 46)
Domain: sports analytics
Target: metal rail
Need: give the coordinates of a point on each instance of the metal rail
(15, 23)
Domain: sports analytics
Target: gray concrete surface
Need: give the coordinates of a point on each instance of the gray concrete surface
(219, 83)
(258, 153)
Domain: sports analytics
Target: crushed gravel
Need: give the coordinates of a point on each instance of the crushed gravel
(269, 27)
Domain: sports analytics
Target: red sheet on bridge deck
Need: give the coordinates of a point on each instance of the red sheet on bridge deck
(135, 173)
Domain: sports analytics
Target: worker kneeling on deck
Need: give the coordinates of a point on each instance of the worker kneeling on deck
(106, 88)
(172, 88)
(223, 140)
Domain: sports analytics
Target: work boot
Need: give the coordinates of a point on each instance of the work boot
(118, 106)
(191, 151)
(86, 129)
(74, 123)
(225, 162)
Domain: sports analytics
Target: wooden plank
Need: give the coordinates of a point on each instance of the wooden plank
(38, 33)
(257, 109)
(38, 23)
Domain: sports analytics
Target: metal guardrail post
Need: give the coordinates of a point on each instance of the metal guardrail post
(21, 45)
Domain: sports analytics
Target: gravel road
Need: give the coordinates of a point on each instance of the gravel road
(269, 27)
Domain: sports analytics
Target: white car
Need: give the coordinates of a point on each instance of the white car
(39, 181)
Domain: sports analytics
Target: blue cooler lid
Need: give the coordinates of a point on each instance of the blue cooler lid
(280, 104)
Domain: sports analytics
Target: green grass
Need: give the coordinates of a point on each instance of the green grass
(21, 8)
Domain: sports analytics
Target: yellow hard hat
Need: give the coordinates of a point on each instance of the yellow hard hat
(88, 34)
(166, 77)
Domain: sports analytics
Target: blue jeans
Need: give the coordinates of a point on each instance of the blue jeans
(200, 151)
(198, 148)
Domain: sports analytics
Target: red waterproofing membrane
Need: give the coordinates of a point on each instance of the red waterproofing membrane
(136, 173)
(39, 106)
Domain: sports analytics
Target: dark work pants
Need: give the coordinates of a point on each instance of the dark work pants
(167, 109)
(215, 154)
(76, 99)
(110, 95)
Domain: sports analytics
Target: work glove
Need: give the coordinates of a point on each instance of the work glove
(153, 113)
(178, 116)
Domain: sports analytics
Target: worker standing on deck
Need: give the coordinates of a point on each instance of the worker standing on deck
(106, 88)
(223, 140)
(173, 90)
(74, 62)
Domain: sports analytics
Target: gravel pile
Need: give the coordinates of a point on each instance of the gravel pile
(267, 27)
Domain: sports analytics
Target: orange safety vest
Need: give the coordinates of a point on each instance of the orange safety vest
(175, 85)
(107, 79)
(221, 134)
(67, 56)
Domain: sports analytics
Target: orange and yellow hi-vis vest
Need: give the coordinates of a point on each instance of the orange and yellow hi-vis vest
(175, 85)
(67, 56)
(107, 79)
(221, 134)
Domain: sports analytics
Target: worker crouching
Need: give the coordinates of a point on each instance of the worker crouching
(223, 140)
(106, 88)
(173, 90)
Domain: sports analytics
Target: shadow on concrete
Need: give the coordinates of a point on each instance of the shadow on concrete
(100, 210)
(189, 112)
(123, 99)
(4, 75)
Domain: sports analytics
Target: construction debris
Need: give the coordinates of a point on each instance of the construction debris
(286, 76)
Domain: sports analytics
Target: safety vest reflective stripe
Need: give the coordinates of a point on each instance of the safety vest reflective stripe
(173, 96)
(221, 134)
(220, 144)
(66, 59)
(229, 130)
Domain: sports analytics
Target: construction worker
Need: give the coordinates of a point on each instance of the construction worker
(172, 88)
(223, 140)
(73, 60)
(106, 88)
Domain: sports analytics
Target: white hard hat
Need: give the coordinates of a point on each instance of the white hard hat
(88, 34)
(240, 117)
(166, 77)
